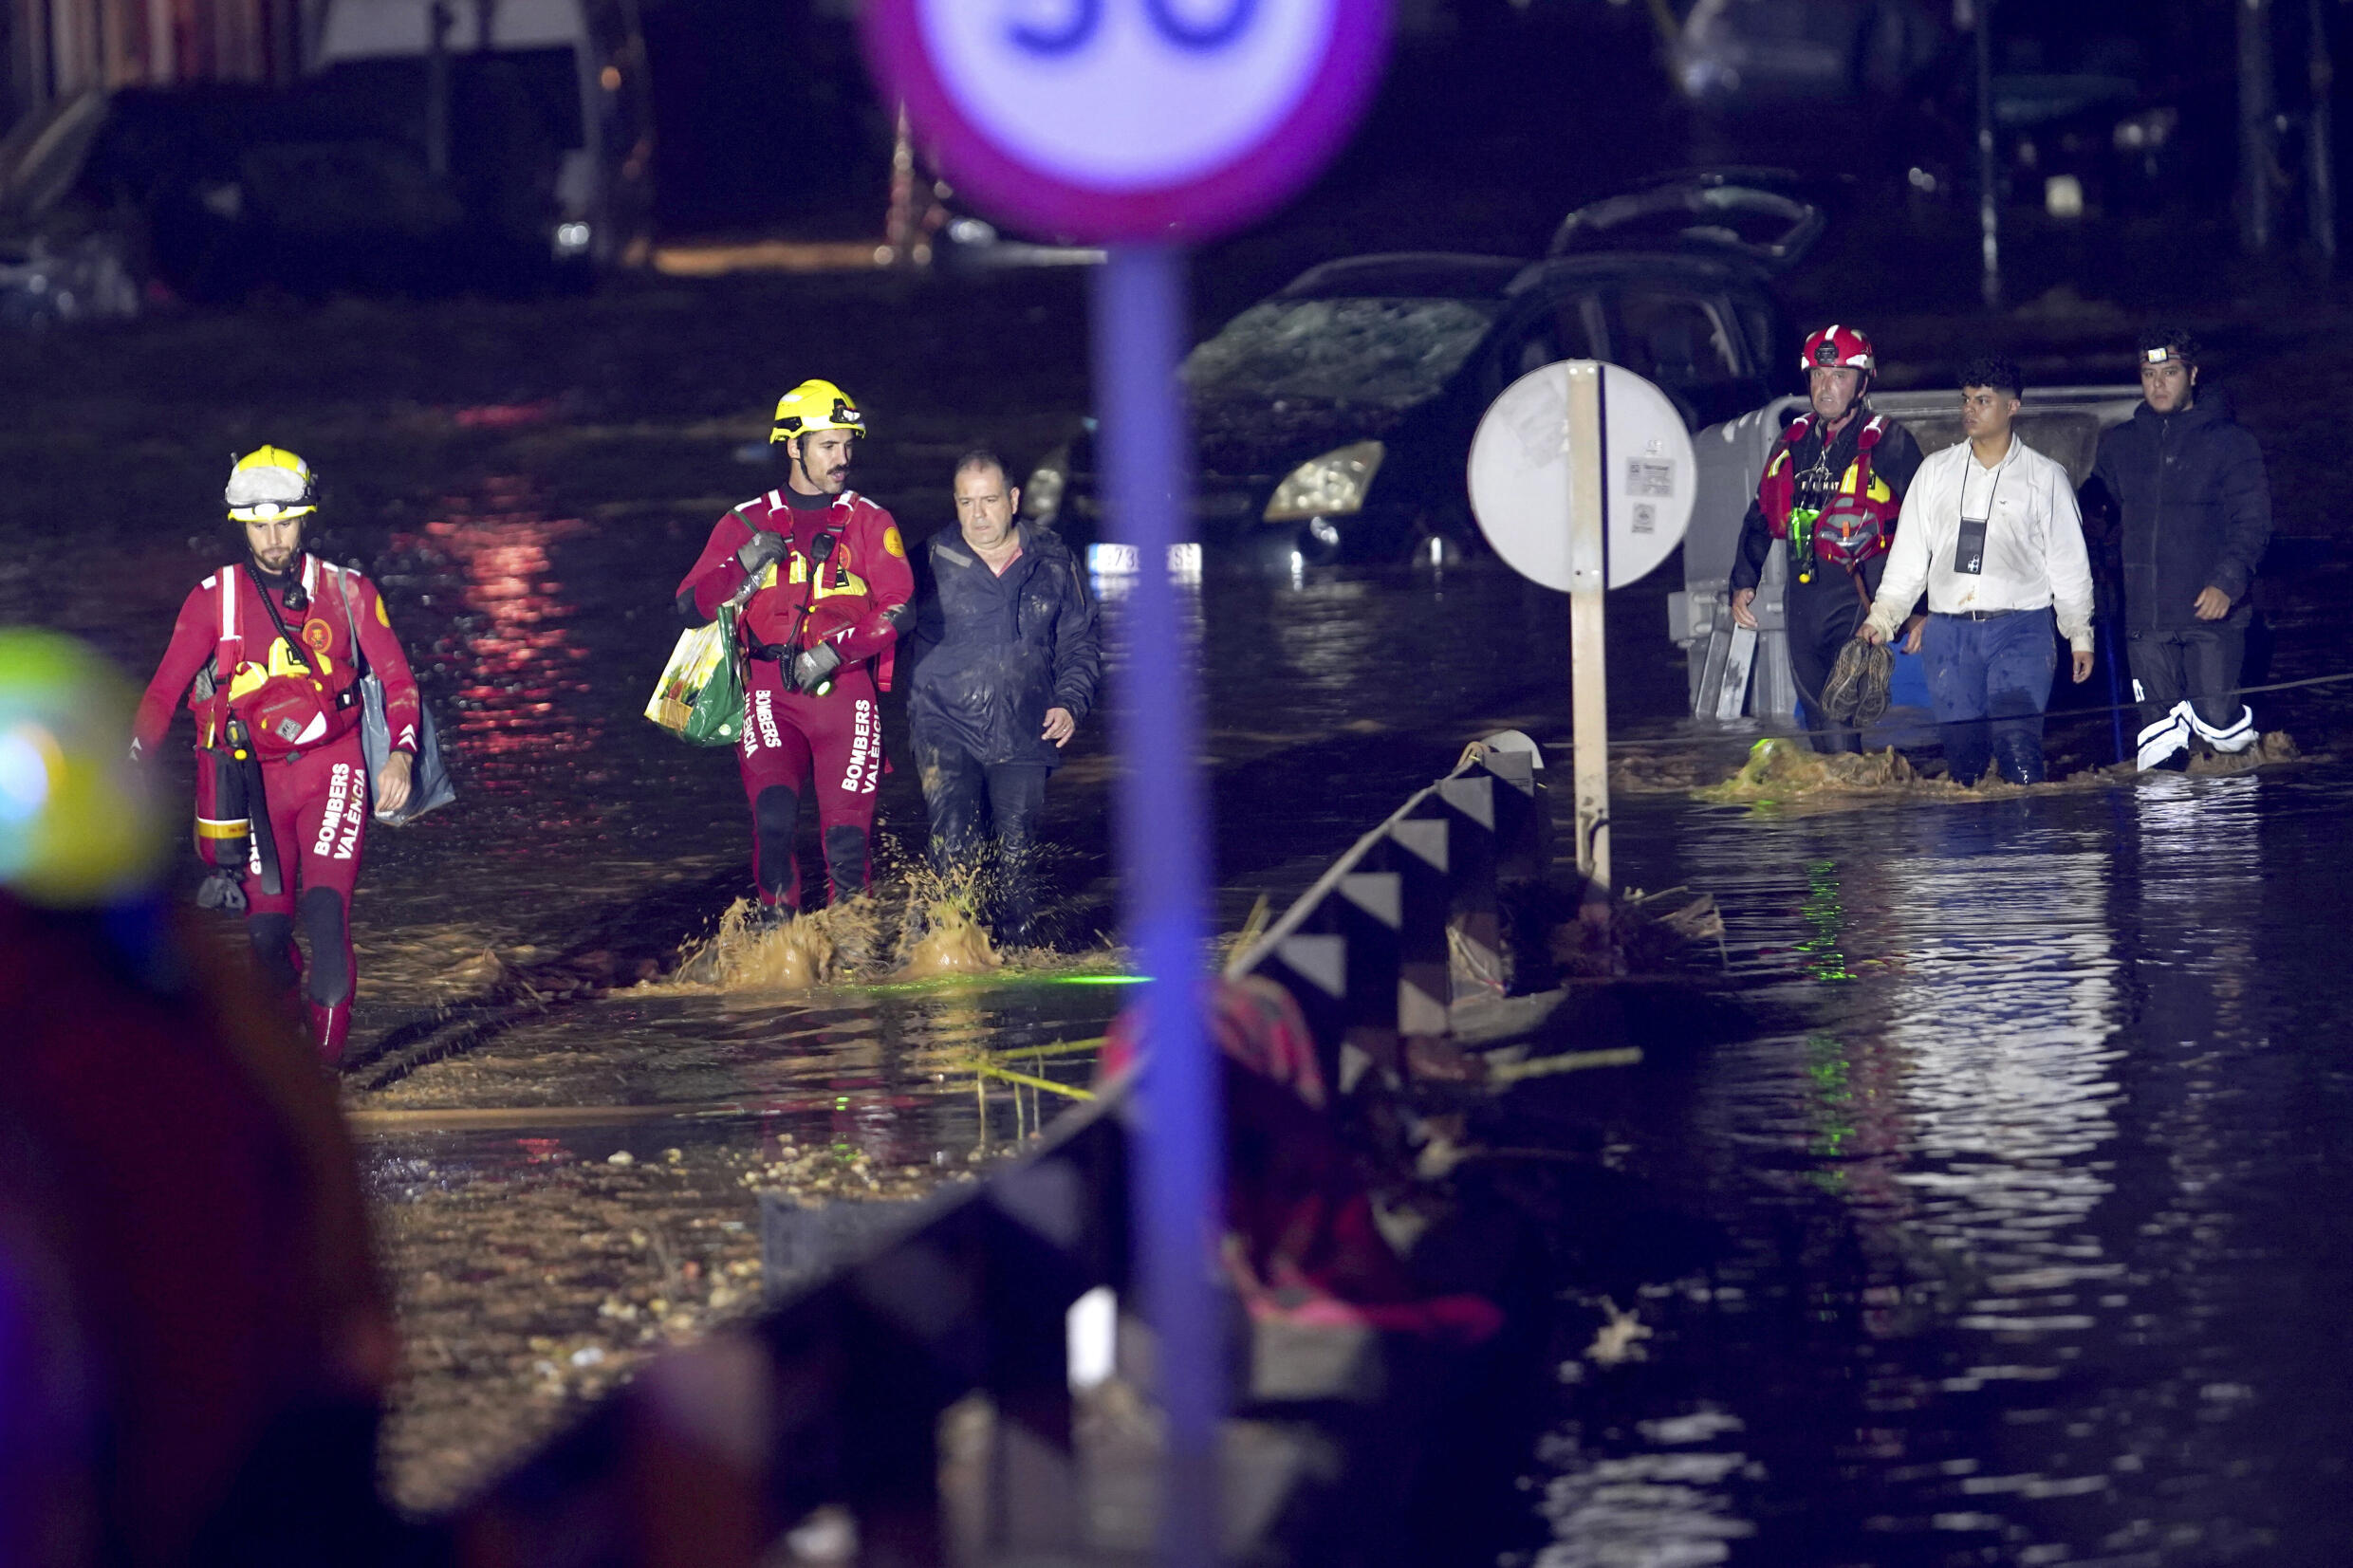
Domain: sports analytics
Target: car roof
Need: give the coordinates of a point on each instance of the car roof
(1755, 216)
(1699, 270)
(1407, 275)
(1439, 275)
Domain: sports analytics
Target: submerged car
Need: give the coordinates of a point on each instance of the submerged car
(1333, 420)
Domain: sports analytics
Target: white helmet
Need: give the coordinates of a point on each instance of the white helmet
(271, 483)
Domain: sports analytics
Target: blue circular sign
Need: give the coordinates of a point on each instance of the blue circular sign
(1130, 119)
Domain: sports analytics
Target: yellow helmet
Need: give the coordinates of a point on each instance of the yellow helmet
(813, 406)
(77, 824)
(269, 483)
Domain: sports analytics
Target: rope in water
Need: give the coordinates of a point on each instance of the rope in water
(2065, 713)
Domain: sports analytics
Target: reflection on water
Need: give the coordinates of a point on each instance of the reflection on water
(517, 660)
(2017, 1261)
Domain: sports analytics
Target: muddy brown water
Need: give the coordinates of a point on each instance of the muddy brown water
(2011, 1230)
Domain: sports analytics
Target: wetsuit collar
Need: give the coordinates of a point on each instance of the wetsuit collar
(801, 502)
(279, 581)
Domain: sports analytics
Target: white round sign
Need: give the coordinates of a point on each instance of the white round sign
(1168, 90)
(1129, 119)
(1520, 486)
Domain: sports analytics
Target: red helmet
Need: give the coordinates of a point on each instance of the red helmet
(1837, 348)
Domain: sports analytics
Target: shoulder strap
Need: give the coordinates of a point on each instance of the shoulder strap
(351, 620)
(276, 619)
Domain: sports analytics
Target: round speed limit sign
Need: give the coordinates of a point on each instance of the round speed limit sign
(1130, 119)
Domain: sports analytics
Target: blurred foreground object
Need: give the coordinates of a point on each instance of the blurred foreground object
(78, 825)
(193, 1342)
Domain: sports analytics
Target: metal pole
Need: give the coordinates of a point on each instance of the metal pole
(1989, 191)
(2254, 124)
(438, 19)
(2320, 196)
(1588, 579)
(1139, 313)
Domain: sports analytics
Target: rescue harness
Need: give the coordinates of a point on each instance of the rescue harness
(1857, 517)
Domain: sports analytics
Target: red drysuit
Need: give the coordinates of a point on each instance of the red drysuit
(301, 722)
(796, 745)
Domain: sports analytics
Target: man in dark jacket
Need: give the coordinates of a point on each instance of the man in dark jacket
(1833, 488)
(2197, 511)
(1006, 660)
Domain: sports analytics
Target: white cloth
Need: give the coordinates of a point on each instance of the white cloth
(2034, 553)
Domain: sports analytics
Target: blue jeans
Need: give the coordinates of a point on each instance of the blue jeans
(1988, 682)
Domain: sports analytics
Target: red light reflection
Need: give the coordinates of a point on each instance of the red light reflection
(517, 656)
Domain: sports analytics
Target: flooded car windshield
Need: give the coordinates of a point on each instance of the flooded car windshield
(1391, 353)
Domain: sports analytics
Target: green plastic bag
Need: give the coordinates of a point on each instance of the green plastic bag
(700, 695)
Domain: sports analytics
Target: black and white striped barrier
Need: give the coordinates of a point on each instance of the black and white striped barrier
(882, 1320)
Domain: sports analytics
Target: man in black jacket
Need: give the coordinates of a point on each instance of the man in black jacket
(2196, 510)
(1006, 660)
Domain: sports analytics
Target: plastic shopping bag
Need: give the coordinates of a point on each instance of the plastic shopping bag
(430, 785)
(700, 695)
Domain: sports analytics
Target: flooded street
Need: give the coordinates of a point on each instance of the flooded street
(2022, 1239)
(2009, 1227)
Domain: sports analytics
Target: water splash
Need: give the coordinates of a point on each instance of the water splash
(747, 954)
(947, 938)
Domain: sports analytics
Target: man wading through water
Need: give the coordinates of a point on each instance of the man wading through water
(1833, 488)
(1991, 531)
(282, 793)
(821, 577)
(2196, 508)
(1004, 662)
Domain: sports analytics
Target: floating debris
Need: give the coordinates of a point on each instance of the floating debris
(1619, 1337)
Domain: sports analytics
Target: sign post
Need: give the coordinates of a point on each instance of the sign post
(1589, 671)
(1582, 477)
(1141, 125)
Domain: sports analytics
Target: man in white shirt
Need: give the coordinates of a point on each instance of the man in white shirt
(1989, 529)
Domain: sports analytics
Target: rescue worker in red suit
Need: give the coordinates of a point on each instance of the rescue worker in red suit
(269, 646)
(820, 579)
(1831, 490)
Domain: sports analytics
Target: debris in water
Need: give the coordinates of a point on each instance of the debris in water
(1646, 933)
(1778, 767)
(483, 970)
(1619, 1340)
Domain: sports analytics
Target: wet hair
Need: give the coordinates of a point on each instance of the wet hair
(2175, 341)
(981, 457)
(1994, 371)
